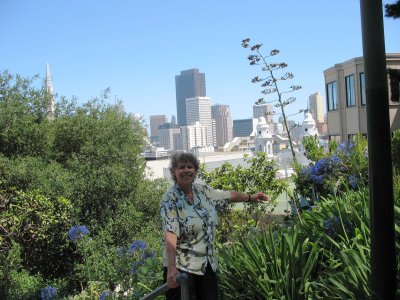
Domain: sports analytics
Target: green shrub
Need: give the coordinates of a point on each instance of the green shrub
(279, 264)
(259, 175)
(39, 225)
(396, 150)
(133, 269)
(15, 281)
(345, 167)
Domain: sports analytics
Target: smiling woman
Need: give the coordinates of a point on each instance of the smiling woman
(189, 216)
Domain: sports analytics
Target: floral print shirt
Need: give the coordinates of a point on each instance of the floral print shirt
(194, 225)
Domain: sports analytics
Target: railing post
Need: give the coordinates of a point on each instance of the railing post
(182, 278)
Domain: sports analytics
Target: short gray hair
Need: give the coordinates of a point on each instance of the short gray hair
(182, 157)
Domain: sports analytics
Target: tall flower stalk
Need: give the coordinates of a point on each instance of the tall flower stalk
(270, 85)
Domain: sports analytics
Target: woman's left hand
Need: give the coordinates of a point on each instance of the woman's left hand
(258, 197)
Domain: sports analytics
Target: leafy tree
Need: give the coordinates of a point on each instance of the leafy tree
(259, 175)
(393, 10)
(314, 151)
(101, 146)
(270, 85)
(24, 128)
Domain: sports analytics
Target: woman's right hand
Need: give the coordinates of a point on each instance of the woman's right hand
(171, 274)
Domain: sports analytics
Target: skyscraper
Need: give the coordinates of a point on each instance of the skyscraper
(198, 109)
(170, 136)
(155, 122)
(244, 127)
(190, 83)
(315, 107)
(263, 110)
(223, 123)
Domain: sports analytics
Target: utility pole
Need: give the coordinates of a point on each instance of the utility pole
(383, 256)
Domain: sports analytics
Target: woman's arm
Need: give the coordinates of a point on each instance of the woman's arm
(170, 244)
(242, 197)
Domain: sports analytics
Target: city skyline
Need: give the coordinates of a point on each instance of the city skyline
(137, 47)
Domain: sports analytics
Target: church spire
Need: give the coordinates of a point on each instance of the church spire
(50, 93)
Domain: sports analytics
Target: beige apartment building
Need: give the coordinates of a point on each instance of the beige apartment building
(345, 97)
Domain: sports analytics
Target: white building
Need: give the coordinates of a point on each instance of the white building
(263, 141)
(51, 108)
(308, 127)
(195, 137)
(198, 109)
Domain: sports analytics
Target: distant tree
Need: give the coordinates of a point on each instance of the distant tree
(269, 83)
(23, 117)
(393, 10)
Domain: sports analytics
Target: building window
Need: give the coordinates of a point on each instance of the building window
(350, 97)
(351, 137)
(362, 89)
(394, 78)
(335, 138)
(331, 88)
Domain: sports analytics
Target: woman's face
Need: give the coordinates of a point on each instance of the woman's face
(185, 174)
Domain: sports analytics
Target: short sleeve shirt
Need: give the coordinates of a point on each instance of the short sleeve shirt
(194, 225)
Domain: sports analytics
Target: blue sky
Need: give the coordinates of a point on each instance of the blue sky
(136, 47)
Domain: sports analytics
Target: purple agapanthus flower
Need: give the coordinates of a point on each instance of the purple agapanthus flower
(353, 181)
(48, 293)
(135, 267)
(147, 254)
(104, 295)
(78, 232)
(120, 251)
(136, 245)
(345, 147)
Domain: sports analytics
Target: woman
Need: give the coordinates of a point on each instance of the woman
(189, 215)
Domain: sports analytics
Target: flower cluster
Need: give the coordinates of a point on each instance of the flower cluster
(104, 295)
(321, 169)
(346, 148)
(137, 245)
(48, 293)
(353, 181)
(138, 251)
(78, 232)
(334, 225)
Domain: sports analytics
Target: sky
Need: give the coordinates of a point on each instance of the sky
(136, 47)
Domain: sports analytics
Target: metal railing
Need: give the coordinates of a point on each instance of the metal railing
(182, 278)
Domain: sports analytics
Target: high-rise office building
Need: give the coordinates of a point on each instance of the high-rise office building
(198, 109)
(263, 110)
(194, 136)
(170, 136)
(316, 107)
(244, 127)
(155, 122)
(189, 84)
(173, 120)
(223, 124)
